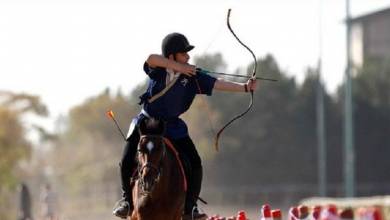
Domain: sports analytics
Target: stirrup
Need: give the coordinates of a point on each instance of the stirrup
(122, 204)
(195, 215)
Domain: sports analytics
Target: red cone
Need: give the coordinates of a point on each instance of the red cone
(276, 214)
(241, 215)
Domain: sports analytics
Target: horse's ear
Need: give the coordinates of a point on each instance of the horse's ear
(142, 126)
(161, 127)
(151, 126)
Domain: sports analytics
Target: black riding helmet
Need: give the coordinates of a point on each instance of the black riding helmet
(175, 43)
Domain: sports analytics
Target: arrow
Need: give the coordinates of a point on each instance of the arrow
(235, 75)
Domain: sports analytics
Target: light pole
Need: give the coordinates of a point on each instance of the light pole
(321, 134)
(349, 154)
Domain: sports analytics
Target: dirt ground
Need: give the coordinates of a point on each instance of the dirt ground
(252, 212)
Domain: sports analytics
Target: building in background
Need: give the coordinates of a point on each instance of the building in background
(370, 37)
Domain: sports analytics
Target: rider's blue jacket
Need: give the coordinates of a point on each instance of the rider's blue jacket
(175, 101)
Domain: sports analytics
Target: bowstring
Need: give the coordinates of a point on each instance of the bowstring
(203, 99)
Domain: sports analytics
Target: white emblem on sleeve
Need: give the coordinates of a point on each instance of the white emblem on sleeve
(184, 81)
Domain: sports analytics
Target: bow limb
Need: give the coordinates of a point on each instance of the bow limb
(251, 91)
(244, 45)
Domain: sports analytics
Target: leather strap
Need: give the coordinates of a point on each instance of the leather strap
(162, 92)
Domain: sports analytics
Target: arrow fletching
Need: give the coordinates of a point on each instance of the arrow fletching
(110, 114)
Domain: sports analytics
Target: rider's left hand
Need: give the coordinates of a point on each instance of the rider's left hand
(251, 84)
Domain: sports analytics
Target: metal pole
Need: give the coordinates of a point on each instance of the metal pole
(321, 141)
(349, 154)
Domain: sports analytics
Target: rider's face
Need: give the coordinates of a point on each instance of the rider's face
(182, 57)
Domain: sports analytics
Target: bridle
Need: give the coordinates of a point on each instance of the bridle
(155, 168)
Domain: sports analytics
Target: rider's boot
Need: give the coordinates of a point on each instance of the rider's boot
(191, 211)
(124, 207)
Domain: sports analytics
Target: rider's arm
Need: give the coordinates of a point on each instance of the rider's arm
(229, 86)
(155, 60)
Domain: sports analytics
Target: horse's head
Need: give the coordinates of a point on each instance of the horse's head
(151, 151)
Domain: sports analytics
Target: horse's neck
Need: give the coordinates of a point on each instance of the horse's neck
(171, 179)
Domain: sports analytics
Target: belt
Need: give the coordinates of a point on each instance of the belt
(145, 113)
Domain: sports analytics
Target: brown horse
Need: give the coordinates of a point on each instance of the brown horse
(160, 189)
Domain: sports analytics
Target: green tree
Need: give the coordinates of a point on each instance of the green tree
(92, 140)
(277, 138)
(371, 97)
(14, 146)
(250, 141)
